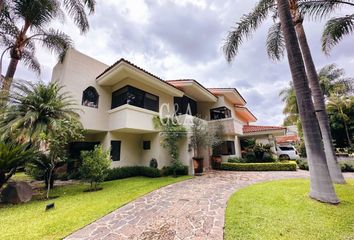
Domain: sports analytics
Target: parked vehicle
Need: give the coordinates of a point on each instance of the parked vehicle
(287, 152)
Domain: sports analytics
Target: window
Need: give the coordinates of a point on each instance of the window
(90, 97)
(115, 150)
(146, 145)
(220, 113)
(185, 105)
(75, 148)
(136, 97)
(225, 148)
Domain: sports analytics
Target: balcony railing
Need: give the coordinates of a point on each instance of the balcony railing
(128, 117)
(231, 126)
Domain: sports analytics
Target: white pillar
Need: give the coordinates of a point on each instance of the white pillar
(237, 147)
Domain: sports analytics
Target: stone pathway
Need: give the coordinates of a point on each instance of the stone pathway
(193, 209)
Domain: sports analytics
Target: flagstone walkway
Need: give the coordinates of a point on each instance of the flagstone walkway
(193, 209)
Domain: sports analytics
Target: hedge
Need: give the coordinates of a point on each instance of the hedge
(345, 165)
(126, 172)
(283, 166)
(180, 171)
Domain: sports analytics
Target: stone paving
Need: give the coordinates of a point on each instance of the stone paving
(192, 209)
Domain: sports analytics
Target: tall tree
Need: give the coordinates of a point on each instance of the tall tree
(25, 22)
(275, 49)
(318, 99)
(321, 187)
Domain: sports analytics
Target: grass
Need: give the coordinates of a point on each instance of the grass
(74, 208)
(283, 210)
(21, 176)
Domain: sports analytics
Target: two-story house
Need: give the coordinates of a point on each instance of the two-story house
(118, 104)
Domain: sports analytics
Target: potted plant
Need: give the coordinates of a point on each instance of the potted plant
(201, 138)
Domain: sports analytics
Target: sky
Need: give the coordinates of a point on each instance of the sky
(177, 39)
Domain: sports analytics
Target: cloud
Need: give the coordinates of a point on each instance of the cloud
(183, 39)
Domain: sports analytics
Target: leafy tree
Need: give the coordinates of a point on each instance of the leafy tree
(94, 166)
(55, 150)
(12, 156)
(23, 23)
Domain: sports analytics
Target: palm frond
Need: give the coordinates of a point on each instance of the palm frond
(334, 31)
(37, 13)
(90, 4)
(319, 9)
(76, 10)
(275, 42)
(56, 41)
(243, 29)
(31, 62)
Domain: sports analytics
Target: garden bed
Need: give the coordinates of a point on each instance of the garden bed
(276, 166)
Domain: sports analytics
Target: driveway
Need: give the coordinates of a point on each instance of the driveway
(193, 209)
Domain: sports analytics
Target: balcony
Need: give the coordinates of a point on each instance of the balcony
(231, 126)
(128, 118)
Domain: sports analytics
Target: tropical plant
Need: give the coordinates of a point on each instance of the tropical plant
(94, 166)
(35, 109)
(321, 187)
(336, 28)
(172, 133)
(23, 23)
(12, 156)
(275, 49)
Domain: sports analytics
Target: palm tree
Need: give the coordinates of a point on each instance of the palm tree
(339, 104)
(36, 110)
(275, 49)
(336, 28)
(24, 23)
(291, 111)
(321, 187)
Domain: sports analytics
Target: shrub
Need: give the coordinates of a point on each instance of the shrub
(153, 163)
(302, 164)
(269, 158)
(250, 157)
(347, 166)
(131, 171)
(180, 170)
(94, 166)
(284, 166)
(236, 160)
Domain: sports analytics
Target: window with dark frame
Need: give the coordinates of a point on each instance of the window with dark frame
(185, 105)
(135, 97)
(220, 113)
(115, 150)
(225, 148)
(90, 97)
(146, 145)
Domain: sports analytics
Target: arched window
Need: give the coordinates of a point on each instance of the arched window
(90, 97)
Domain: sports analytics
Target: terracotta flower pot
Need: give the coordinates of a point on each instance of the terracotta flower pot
(198, 165)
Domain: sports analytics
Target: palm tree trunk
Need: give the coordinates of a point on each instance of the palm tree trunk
(7, 81)
(320, 107)
(321, 187)
(345, 127)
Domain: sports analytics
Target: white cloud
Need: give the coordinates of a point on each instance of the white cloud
(183, 39)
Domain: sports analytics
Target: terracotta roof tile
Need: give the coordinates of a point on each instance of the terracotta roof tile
(287, 139)
(253, 128)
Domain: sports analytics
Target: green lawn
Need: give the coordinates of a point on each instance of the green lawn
(73, 209)
(283, 210)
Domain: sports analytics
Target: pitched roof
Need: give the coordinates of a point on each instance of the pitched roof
(253, 128)
(189, 80)
(287, 139)
(135, 66)
(215, 89)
